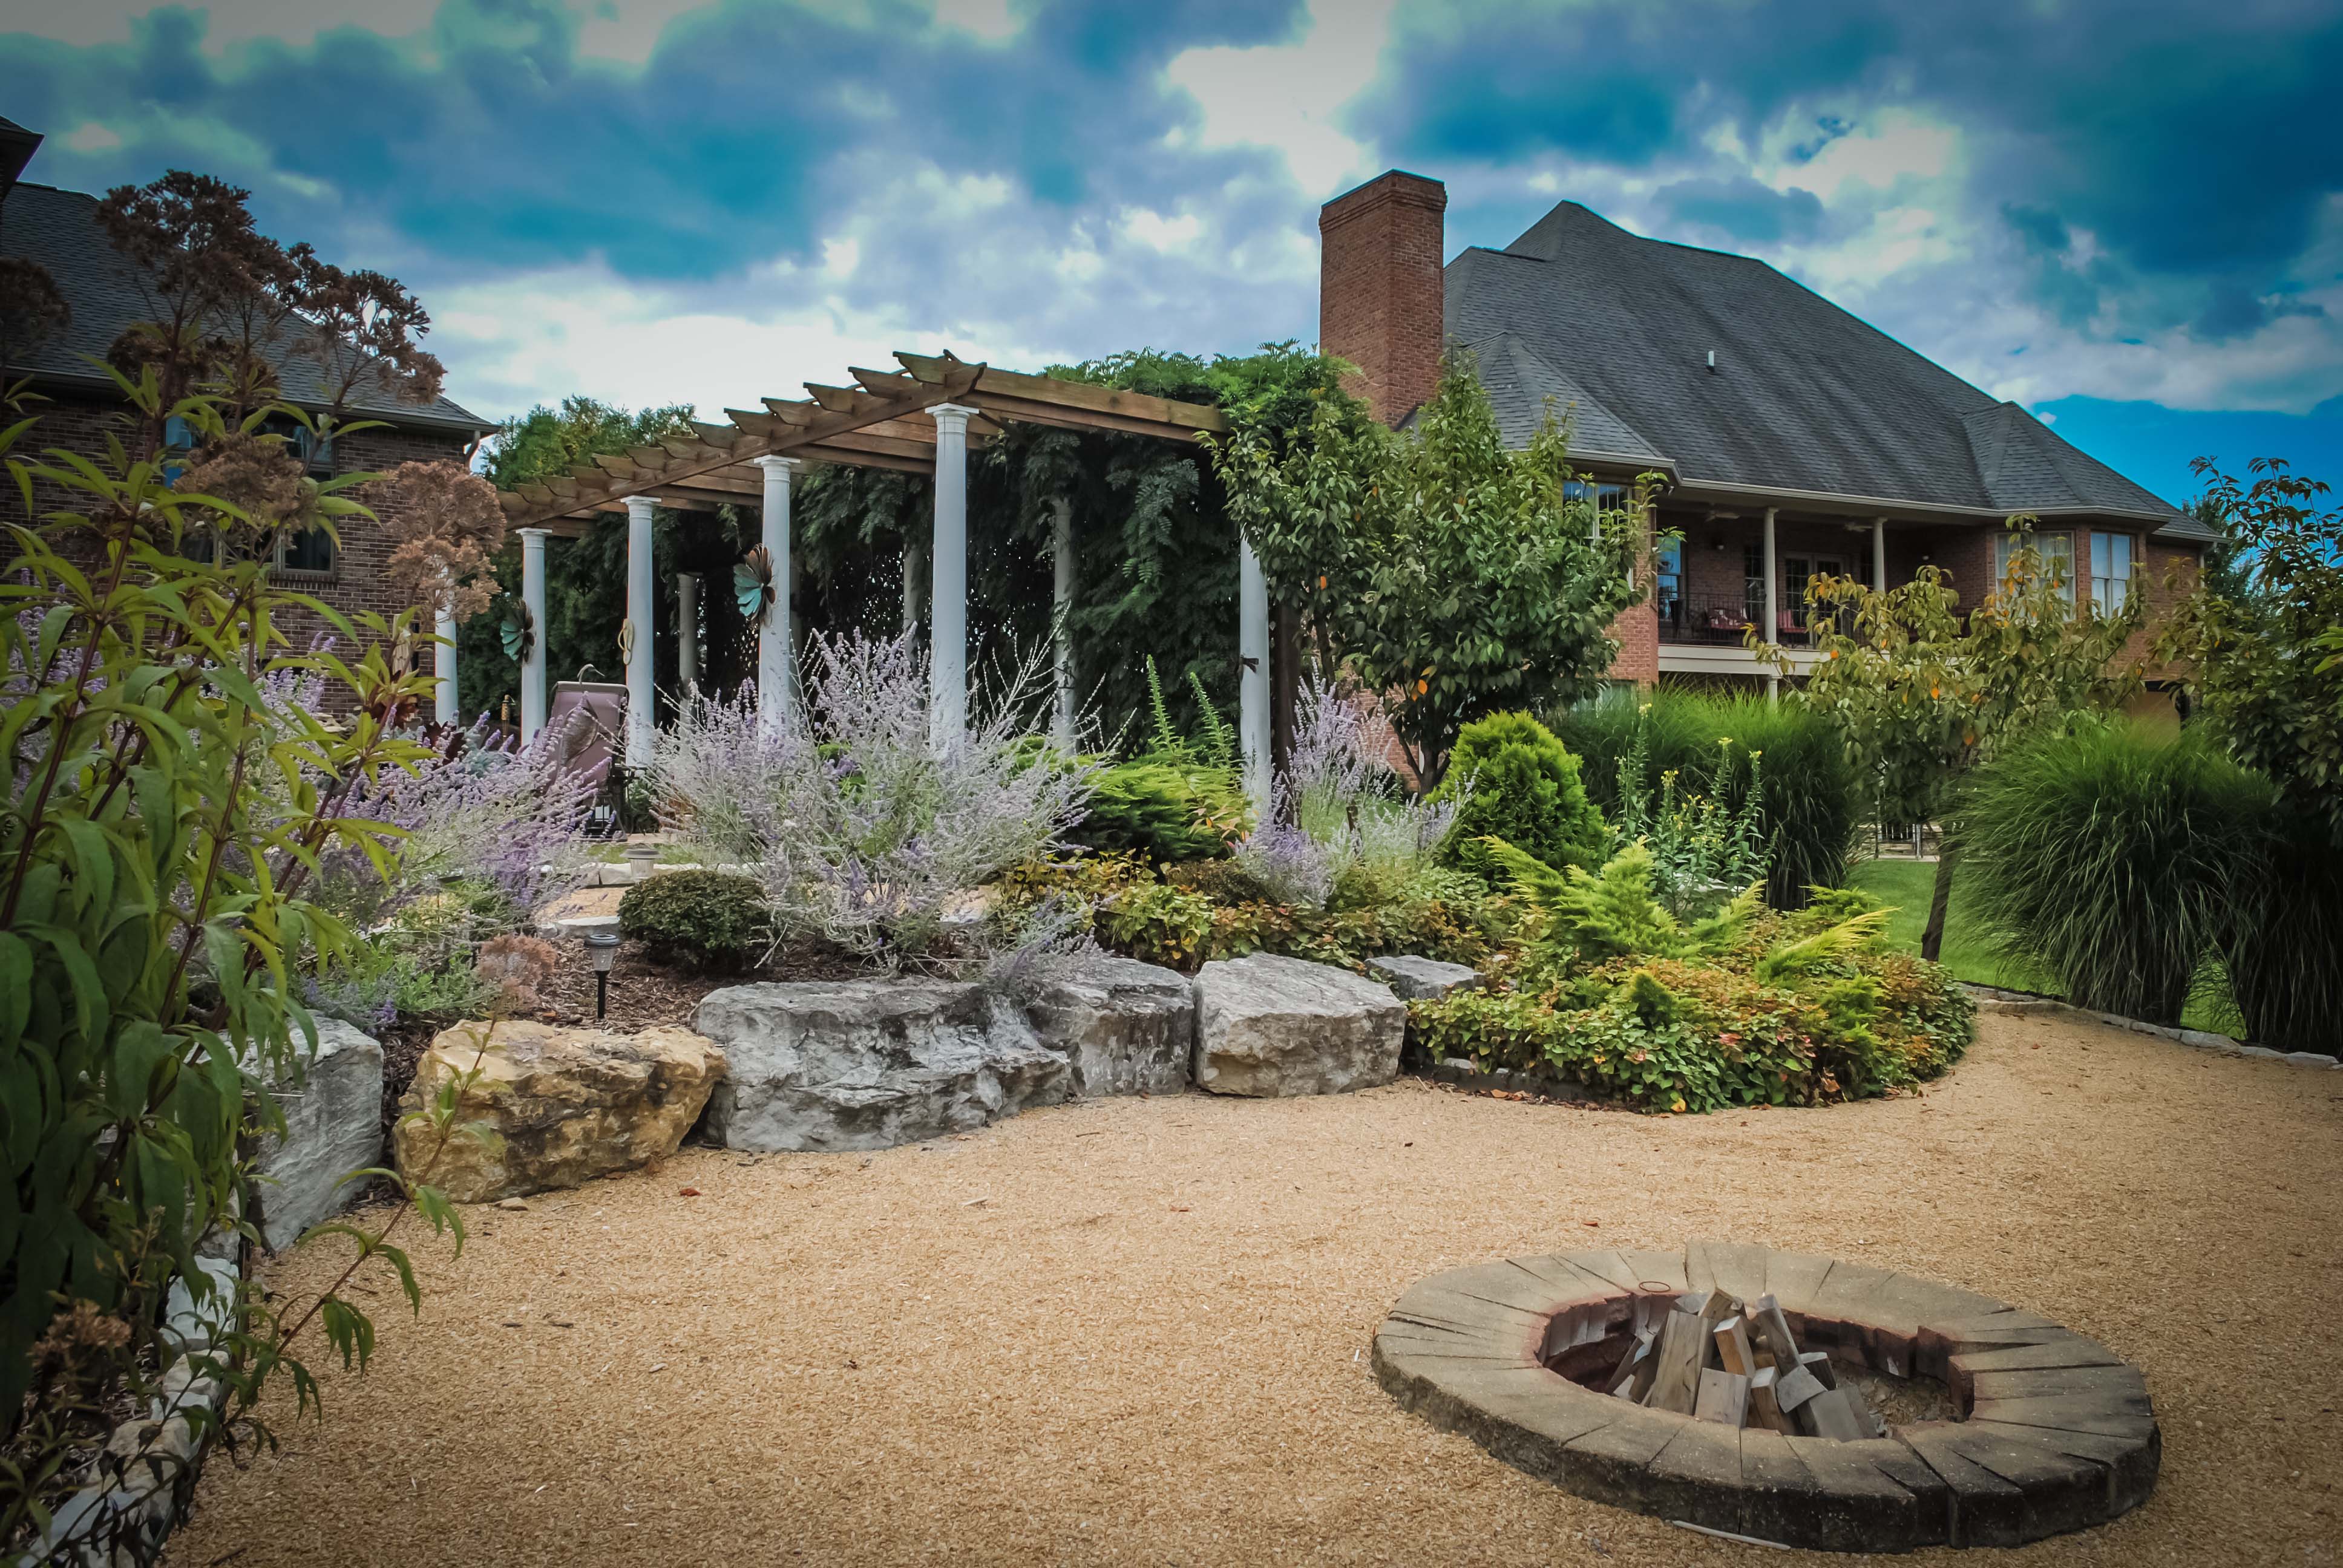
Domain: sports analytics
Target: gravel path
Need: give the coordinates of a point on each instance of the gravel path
(1135, 1331)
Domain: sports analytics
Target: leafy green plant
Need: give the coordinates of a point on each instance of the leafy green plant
(1157, 923)
(1922, 692)
(714, 920)
(1513, 780)
(1701, 852)
(154, 907)
(1832, 944)
(1615, 913)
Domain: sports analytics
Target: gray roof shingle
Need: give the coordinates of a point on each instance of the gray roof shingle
(59, 229)
(1803, 397)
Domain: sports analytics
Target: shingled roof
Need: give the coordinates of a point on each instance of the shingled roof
(1803, 397)
(59, 229)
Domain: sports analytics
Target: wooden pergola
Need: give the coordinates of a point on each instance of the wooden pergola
(918, 419)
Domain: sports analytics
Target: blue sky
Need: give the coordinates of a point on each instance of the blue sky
(2127, 214)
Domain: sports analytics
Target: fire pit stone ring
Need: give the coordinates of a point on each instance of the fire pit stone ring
(2052, 1432)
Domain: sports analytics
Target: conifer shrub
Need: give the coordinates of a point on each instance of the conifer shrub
(710, 920)
(1513, 780)
(1165, 810)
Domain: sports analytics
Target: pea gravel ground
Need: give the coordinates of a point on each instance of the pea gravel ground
(1135, 1330)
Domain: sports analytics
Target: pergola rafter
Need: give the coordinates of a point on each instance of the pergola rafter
(921, 419)
(881, 421)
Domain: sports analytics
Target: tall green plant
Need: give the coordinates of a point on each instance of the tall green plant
(1811, 797)
(154, 905)
(1452, 575)
(1510, 778)
(2113, 858)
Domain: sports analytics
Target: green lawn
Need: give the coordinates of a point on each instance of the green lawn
(1903, 886)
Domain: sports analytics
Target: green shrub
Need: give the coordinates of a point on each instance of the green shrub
(2114, 858)
(1165, 810)
(714, 920)
(1813, 797)
(1520, 784)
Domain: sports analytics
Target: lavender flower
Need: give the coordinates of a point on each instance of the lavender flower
(860, 829)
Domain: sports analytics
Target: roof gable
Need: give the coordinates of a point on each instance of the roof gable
(1802, 397)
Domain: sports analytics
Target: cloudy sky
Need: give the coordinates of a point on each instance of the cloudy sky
(2125, 214)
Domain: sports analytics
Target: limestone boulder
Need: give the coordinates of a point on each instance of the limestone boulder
(1123, 1027)
(333, 1126)
(1413, 979)
(870, 1064)
(555, 1106)
(1269, 1025)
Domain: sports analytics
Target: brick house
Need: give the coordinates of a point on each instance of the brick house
(59, 230)
(1793, 437)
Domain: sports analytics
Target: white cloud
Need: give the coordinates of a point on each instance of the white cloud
(1156, 232)
(92, 137)
(1285, 96)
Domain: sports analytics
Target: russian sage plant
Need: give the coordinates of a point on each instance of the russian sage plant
(1338, 807)
(862, 832)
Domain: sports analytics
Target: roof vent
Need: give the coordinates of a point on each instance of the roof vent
(1712, 362)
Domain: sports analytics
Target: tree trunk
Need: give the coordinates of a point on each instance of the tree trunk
(1284, 681)
(1932, 939)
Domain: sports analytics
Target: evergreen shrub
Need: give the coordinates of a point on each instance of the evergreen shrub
(1514, 781)
(711, 920)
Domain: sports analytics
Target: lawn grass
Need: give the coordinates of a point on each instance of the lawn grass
(1969, 949)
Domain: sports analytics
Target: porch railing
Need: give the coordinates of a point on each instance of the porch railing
(1723, 620)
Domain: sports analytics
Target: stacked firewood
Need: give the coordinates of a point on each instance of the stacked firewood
(1715, 1360)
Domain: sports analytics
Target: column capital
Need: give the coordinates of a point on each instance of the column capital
(953, 416)
(535, 535)
(645, 502)
(773, 462)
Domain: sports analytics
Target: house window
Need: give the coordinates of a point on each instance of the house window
(2057, 552)
(1667, 591)
(309, 550)
(2115, 561)
(1606, 498)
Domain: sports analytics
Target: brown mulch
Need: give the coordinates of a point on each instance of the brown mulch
(1136, 1330)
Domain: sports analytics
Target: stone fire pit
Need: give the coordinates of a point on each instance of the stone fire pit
(2052, 1432)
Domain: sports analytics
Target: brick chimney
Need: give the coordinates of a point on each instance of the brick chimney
(1379, 289)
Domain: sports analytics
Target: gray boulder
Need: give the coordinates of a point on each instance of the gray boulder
(1415, 978)
(333, 1126)
(1123, 1027)
(870, 1064)
(1271, 1026)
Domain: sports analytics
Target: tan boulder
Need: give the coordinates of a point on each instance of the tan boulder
(553, 1106)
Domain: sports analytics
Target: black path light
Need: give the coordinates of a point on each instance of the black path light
(602, 946)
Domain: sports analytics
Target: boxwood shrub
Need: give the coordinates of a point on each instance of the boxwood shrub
(713, 920)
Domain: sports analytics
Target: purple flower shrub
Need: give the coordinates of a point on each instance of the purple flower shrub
(1337, 807)
(861, 831)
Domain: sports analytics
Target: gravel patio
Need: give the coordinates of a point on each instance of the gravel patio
(1135, 1330)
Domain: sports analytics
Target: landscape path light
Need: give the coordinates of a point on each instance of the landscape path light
(602, 948)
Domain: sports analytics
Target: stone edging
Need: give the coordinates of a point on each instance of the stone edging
(151, 1461)
(1465, 1074)
(2061, 1433)
(1992, 999)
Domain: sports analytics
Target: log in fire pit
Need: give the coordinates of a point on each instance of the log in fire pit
(1789, 1397)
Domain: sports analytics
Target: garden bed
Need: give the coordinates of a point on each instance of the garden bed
(1138, 1329)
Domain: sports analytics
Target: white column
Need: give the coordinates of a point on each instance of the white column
(1773, 602)
(948, 580)
(640, 694)
(443, 667)
(774, 641)
(1879, 555)
(1062, 631)
(687, 630)
(1252, 681)
(532, 664)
